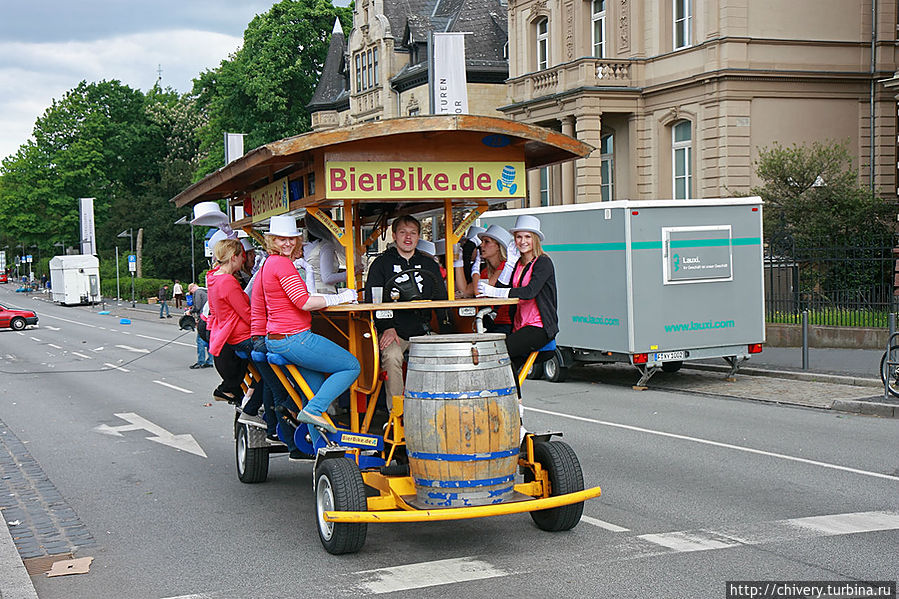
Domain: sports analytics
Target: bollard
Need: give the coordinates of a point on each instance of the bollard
(805, 339)
(887, 366)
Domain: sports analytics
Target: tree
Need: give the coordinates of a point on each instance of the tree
(812, 193)
(263, 88)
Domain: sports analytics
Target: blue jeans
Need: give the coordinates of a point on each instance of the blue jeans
(316, 356)
(164, 305)
(203, 355)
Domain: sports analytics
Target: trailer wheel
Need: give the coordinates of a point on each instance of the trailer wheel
(553, 370)
(339, 487)
(536, 372)
(671, 366)
(252, 462)
(17, 324)
(565, 476)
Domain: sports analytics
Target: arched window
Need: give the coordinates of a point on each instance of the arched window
(599, 28)
(682, 159)
(542, 43)
(607, 167)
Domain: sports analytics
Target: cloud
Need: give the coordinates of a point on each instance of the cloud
(33, 74)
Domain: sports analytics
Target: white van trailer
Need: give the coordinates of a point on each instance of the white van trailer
(654, 283)
(75, 279)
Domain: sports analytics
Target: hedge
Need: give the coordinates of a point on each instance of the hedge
(143, 288)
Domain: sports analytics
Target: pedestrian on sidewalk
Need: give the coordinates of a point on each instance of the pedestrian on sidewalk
(163, 297)
(178, 295)
(200, 297)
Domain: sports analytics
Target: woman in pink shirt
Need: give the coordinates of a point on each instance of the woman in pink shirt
(283, 316)
(533, 280)
(231, 326)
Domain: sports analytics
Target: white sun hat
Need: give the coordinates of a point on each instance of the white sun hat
(528, 223)
(426, 247)
(474, 231)
(283, 226)
(498, 234)
(208, 214)
(216, 237)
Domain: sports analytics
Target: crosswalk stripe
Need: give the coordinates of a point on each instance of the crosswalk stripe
(427, 574)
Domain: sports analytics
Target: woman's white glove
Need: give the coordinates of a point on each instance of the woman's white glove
(344, 296)
(485, 290)
(512, 256)
(476, 264)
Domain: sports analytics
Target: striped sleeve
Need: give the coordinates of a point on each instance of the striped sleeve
(295, 289)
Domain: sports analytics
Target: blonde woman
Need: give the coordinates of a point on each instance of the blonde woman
(488, 266)
(231, 325)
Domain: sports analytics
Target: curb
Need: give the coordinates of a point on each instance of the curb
(852, 406)
(14, 580)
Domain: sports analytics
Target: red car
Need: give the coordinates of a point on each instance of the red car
(4, 278)
(16, 319)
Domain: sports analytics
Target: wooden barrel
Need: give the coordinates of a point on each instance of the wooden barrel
(461, 420)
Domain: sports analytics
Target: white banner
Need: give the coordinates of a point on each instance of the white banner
(449, 88)
(86, 217)
(233, 147)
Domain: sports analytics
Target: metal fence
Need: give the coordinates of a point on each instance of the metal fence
(839, 286)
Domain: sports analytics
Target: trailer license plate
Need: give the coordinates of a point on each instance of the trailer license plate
(667, 356)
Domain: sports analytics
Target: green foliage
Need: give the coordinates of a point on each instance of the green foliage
(812, 193)
(143, 288)
(263, 88)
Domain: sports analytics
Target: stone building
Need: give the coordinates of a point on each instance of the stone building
(380, 70)
(679, 95)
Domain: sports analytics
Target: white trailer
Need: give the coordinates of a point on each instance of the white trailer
(75, 279)
(654, 283)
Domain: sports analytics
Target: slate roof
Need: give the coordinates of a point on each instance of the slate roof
(331, 93)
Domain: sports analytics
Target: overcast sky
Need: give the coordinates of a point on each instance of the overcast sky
(48, 46)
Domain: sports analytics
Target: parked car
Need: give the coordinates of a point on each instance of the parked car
(4, 278)
(16, 319)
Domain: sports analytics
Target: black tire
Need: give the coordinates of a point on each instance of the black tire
(553, 371)
(672, 366)
(536, 372)
(565, 476)
(252, 462)
(17, 324)
(894, 375)
(339, 487)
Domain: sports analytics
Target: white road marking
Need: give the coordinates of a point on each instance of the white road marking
(84, 324)
(166, 340)
(54, 345)
(184, 442)
(116, 367)
(769, 532)
(164, 384)
(35, 339)
(74, 353)
(20, 333)
(603, 524)
(98, 348)
(102, 328)
(49, 328)
(427, 574)
(780, 456)
(138, 350)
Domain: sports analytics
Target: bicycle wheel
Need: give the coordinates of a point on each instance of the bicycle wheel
(890, 371)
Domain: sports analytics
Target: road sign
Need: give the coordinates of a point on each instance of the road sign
(28, 258)
(132, 262)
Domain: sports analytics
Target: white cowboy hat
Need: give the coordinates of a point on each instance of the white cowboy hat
(208, 214)
(283, 226)
(440, 247)
(528, 223)
(216, 237)
(498, 234)
(426, 247)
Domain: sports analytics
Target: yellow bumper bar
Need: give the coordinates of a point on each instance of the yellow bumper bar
(464, 513)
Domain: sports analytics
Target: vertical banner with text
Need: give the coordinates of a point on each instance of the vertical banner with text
(86, 219)
(449, 87)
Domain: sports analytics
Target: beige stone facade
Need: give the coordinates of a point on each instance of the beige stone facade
(682, 94)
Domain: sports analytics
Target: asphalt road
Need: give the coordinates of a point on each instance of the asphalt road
(697, 490)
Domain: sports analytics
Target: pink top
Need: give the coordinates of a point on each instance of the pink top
(502, 312)
(278, 298)
(231, 309)
(527, 315)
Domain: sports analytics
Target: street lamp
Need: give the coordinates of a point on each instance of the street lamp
(193, 269)
(21, 258)
(129, 233)
(34, 247)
